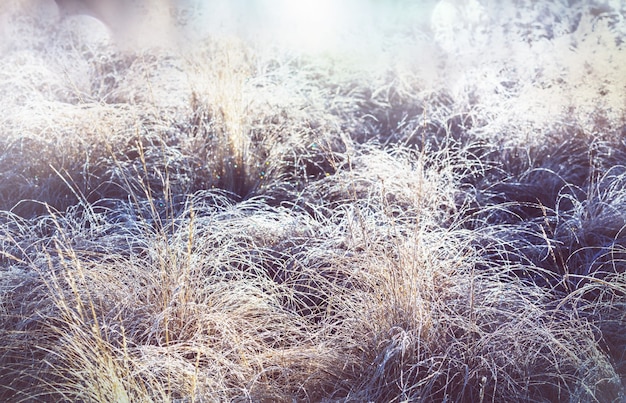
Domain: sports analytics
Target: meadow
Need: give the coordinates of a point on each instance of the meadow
(438, 216)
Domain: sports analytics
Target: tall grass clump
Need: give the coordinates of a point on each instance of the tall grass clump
(233, 220)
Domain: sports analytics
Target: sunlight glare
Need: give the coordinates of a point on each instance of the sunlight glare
(310, 25)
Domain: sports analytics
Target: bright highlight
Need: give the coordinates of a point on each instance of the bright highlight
(311, 25)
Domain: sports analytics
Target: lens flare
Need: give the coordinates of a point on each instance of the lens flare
(311, 25)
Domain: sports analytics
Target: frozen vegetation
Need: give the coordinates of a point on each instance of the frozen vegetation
(432, 210)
